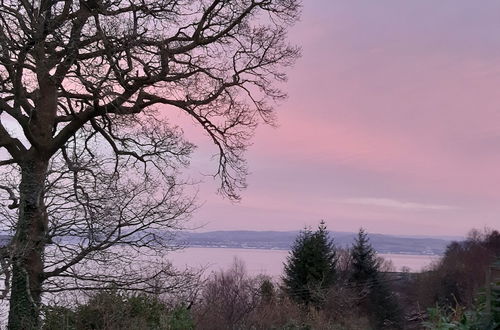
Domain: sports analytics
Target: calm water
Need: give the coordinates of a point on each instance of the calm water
(268, 262)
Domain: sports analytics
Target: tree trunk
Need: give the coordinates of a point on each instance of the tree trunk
(28, 247)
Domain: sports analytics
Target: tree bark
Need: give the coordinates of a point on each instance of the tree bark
(28, 247)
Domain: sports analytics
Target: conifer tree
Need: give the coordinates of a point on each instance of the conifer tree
(365, 266)
(311, 265)
(378, 299)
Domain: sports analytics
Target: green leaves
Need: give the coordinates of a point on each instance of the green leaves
(460, 319)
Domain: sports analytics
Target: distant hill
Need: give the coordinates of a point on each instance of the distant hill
(282, 240)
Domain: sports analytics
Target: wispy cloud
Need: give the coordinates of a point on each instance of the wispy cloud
(394, 203)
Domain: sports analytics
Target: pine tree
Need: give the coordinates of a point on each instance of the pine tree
(365, 266)
(379, 301)
(311, 265)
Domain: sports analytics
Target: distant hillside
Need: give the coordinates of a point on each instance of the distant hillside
(282, 240)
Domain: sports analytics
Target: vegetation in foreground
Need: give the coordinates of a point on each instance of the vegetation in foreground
(322, 288)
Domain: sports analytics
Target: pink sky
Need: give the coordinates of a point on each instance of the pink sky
(392, 123)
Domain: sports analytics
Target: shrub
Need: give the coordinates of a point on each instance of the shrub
(110, 310)
(180, 319)
(227, 298)
(57, 317)
(459, 318)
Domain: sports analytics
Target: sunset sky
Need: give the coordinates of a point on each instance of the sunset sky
(392, 123)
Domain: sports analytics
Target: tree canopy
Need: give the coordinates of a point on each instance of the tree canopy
(311, 265)
(86, 91)
(374, 292)
(365, 266)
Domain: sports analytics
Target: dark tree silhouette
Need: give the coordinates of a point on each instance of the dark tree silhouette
(85, 91)
(365, 265)
(374, 292)
(311, 266)
(461, 272)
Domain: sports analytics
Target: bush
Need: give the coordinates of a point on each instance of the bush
(180, 319)
(459, 318)
(110, 310)
(57, 317)
(227, 299)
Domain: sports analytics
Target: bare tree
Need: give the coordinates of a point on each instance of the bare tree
(227, 299)
(85, 90)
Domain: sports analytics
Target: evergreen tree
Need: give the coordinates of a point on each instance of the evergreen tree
(379, 301)
(365, 266)
(267, 290)
(311, 265)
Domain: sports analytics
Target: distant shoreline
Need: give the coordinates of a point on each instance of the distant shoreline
(274, 240)
(284, 249)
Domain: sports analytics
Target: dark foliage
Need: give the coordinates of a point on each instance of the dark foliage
(111, 310)
(311, 266)
(365, 266)
(375, 295)
(461, 273)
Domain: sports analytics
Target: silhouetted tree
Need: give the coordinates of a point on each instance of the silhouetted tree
(227, 299)
(375, 294)
(365, 265)
(461, 272)
(311, 265)
(84, 82)
(267, 290)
